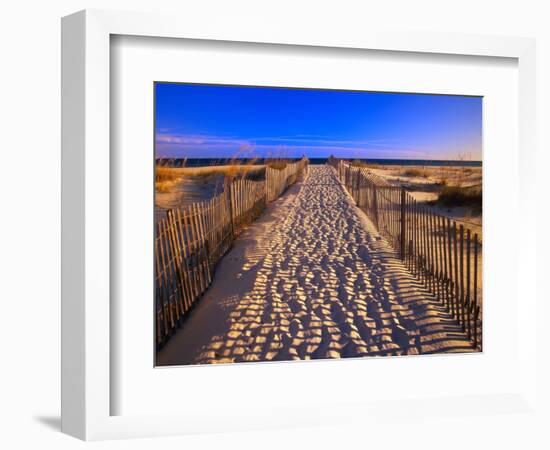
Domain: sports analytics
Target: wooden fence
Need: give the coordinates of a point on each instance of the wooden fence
(190, 241)
(444, 256)
(276, 181)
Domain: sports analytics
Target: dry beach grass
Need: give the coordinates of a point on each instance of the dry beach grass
(176, 187)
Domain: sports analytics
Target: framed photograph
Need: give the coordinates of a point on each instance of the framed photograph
(266, 228)
(296, 224)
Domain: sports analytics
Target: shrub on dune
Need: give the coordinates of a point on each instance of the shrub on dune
(415, 172)
(471, 197)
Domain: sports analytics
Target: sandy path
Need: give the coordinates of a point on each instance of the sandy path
(312, 279)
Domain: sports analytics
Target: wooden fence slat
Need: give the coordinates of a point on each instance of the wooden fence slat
(191, 252)
(180, 225)
(175, 250)
(456, 279)
(467, 299)
(441, 246)
(461, 257)
(164, 262)
(451, 271)
(476, 309)
(197, 247)
(445, 262)
(161, 325)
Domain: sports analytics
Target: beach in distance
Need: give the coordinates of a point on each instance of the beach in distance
(204, 162)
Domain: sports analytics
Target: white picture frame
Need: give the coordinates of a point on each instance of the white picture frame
(86, 351)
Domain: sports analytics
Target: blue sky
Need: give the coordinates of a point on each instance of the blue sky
(207, 121)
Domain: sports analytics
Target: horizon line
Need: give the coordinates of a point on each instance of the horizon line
(318, 157)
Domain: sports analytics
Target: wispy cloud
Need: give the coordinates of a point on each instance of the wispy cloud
(185, 139)
(176, 144)
(189, 145)
(164, 136)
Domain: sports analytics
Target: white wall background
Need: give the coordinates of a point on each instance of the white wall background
(30, 193)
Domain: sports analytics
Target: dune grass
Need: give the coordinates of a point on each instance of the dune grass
(166, 177)
(358, 163)
(233, 171)
(415, 172)
(279, 164)
(451, 196)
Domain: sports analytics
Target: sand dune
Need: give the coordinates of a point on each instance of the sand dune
(312, 279)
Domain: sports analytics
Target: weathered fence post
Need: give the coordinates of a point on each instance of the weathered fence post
(403, 224)
(357, 187)
(375, 206)
(476, 307)
(229, 199)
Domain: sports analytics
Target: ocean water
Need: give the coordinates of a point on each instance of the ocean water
(199, 162)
